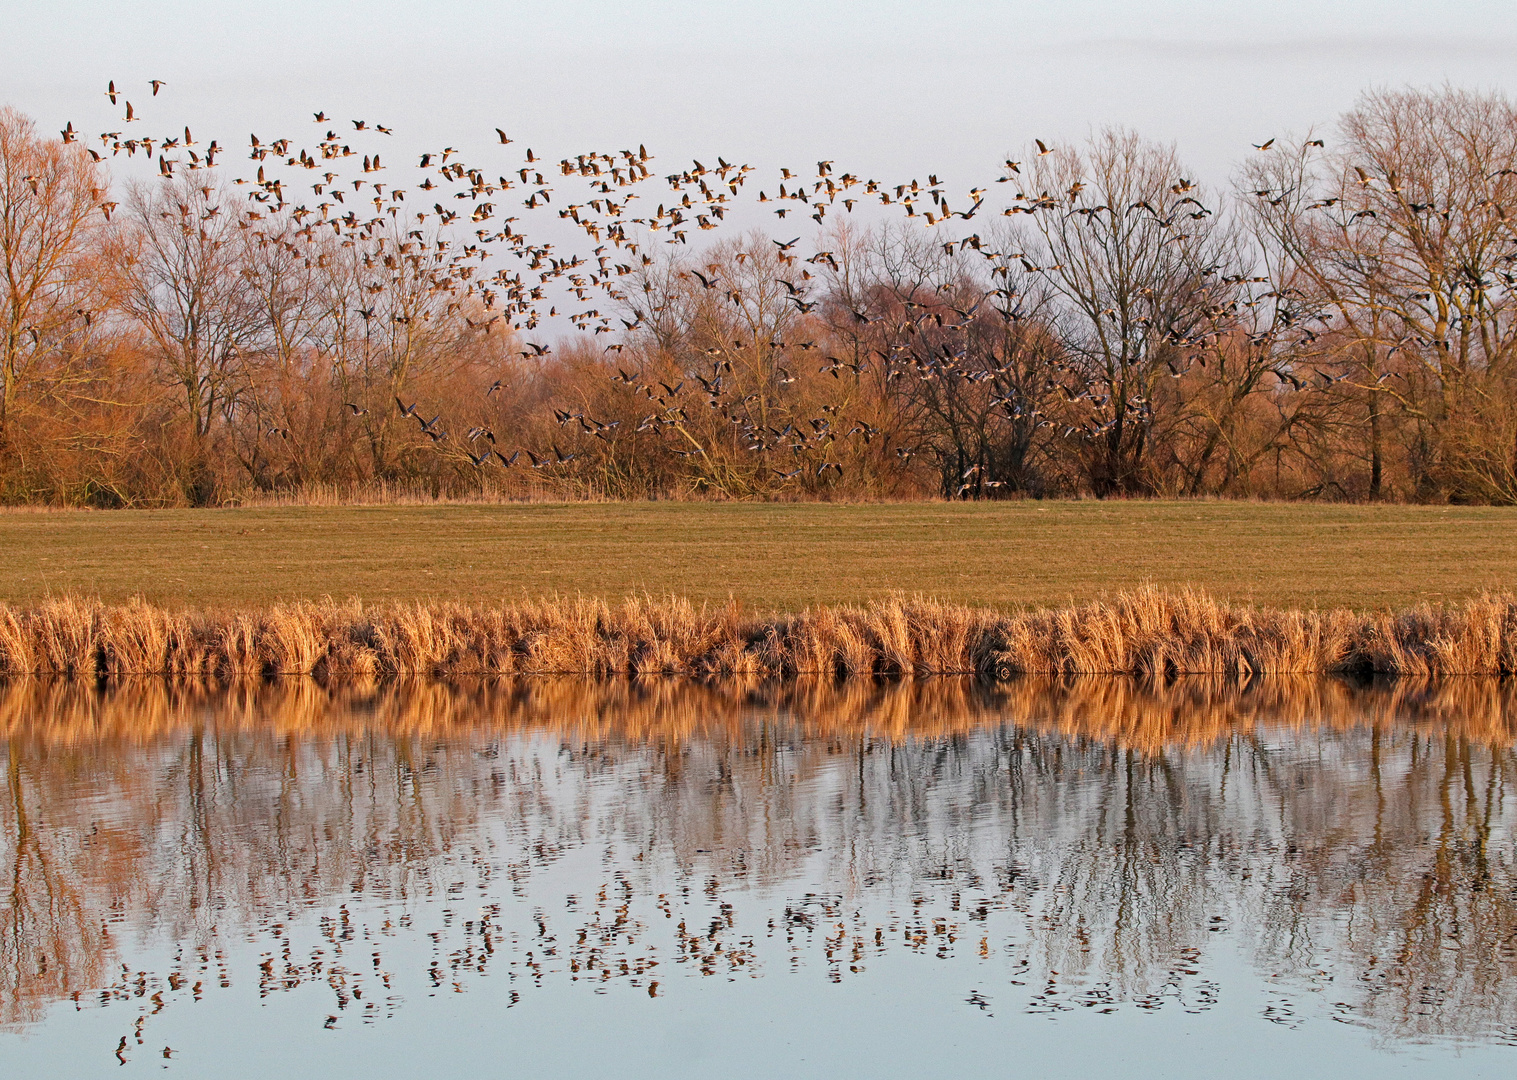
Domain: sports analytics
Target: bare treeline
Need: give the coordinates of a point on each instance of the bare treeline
(1339, 324)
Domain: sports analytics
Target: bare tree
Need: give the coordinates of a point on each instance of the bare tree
(392, 313)
(1123, 240)
(49, 194)
(185, 288)
(1404, 235)
(289, 415)
(972, 362)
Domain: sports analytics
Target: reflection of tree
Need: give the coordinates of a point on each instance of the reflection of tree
(1412, 850)
(1357, 841)
(51, 938)
(1135, 853)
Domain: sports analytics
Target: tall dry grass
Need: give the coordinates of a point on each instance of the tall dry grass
(1146, 633)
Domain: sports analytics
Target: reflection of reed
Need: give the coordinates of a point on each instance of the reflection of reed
(1136, 713)
(1144, 633)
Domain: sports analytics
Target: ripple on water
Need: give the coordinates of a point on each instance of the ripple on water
(803, 879)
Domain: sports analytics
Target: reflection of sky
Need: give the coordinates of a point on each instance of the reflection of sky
(791, 1024)
(888, 89)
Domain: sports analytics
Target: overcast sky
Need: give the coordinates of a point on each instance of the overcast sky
(888, 89)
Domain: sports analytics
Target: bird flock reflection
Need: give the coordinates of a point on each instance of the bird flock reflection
(354, 851)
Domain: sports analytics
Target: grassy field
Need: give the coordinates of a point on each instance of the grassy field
(769, 557)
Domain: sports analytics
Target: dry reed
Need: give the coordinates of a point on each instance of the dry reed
(1145, 633)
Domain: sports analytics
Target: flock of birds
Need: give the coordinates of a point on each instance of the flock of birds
(469, 253)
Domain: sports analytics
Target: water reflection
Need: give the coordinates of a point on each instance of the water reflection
(1092, 845)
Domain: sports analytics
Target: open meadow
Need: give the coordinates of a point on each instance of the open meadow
(769, 557)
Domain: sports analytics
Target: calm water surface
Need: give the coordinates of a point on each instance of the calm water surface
(562, 878)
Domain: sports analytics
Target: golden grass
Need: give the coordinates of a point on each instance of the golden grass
(1146, 633)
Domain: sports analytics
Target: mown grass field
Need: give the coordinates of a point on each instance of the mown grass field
(768, 557)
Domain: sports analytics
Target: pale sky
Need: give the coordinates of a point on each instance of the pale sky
(888, 89)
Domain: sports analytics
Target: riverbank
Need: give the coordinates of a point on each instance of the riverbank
(1146, 633)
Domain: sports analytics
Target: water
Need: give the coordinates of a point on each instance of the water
(940, 878)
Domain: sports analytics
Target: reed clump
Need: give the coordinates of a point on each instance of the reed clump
(1146, 633)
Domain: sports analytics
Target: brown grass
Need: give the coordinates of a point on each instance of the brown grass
(1145, 633)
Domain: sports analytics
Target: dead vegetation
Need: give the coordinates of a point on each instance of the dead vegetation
(1145, 633)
